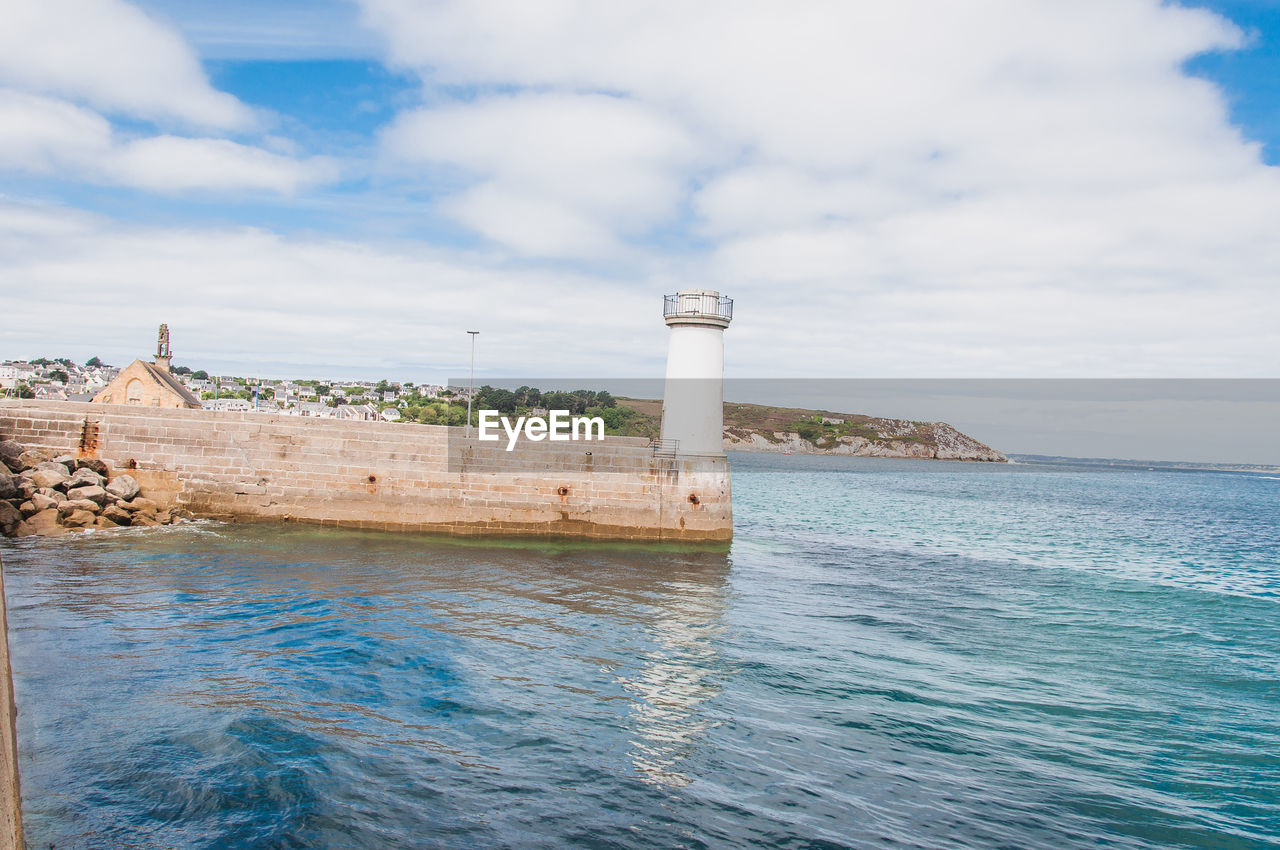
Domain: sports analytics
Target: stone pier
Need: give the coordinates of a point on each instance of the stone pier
(378, 475)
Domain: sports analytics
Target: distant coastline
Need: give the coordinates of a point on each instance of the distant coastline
(1130, 463)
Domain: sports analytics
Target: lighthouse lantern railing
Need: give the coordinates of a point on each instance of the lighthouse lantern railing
(693, 304)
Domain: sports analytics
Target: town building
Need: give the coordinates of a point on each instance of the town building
(149, 384)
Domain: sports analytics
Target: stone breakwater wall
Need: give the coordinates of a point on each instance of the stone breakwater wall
(389, 476)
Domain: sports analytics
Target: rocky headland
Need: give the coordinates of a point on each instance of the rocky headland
(50, 496)
(793, 430)
(763, 428)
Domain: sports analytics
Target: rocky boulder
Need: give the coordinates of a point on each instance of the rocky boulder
(52, 475)
(58, 498)
(71, 506)
(140, 505)
(44, 479)
(123, 487)
(10, 519)
(30, 458)
(94, 464)
(10, 487)
(43, 502)
(84, 477)
(45, 524)
(79, 519)
(10, 452)
(117, 515)
(93, 493)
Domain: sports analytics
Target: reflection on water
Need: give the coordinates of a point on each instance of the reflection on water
(680, 671)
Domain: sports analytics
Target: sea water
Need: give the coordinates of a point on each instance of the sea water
(892, 654)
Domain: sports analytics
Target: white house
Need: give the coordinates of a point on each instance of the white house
(361, 412)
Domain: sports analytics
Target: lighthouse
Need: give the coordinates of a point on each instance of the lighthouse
(692, 403)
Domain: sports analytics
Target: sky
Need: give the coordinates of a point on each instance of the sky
(994, 189)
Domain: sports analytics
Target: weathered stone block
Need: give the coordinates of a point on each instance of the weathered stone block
(84, 477)
(92, 493)
(44, 523)
(41, 502)
(10, 455)
(123, 487)
(71, 506)
(94, 464)
(53, 495)
(79, 519)
(140, 504)
(47, 478)
(10, 518)
(117, 515)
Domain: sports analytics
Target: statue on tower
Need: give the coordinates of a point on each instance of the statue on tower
(163, 356)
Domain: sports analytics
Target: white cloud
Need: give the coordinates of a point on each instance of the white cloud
(263, 302)
(258, 302)
(993, 188)
(44, 135)
(171, 163)
(1035, 186)
(559, 174)
(109, 54)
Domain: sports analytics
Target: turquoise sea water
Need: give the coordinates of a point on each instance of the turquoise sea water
(892, 654)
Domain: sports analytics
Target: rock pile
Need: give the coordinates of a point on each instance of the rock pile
(51, 496)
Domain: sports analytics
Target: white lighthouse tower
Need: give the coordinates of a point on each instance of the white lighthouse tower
(692, 404)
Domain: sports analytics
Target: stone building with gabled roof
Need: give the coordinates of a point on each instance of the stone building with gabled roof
(149, 384)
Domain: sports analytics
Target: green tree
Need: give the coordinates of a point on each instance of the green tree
(93, 363)
(200, 375)
(491, 398)
(58, 376)
(24, 391)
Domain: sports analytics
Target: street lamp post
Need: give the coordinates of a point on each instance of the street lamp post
(471, 382)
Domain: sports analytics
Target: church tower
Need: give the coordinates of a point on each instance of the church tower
(163, 356)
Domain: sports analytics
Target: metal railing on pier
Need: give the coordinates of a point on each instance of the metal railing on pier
(665, 448)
